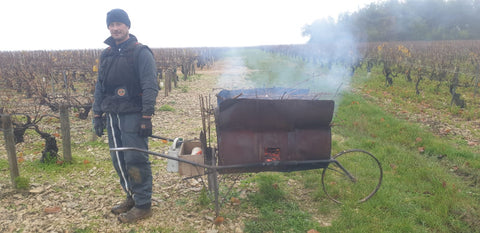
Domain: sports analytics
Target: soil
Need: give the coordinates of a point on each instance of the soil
(82, 201)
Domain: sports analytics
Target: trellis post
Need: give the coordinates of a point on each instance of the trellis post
(65, 129)
(10, 147)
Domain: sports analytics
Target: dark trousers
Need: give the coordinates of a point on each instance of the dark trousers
(133, 167)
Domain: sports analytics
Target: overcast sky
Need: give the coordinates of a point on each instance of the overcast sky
(62, 24)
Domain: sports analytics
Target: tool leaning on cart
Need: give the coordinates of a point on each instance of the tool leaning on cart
(125, 94)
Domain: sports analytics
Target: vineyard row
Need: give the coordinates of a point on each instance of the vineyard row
(454, 64)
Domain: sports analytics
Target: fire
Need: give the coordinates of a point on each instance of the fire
(272, 154)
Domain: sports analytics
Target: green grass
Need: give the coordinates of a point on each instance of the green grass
(194, 77)
(272, 70)
(429, 190)
(184, 88)
(22, 182)
(419, 193)
(277, 212)
(166, 108)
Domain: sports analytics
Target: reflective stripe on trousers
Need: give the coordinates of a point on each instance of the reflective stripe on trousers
(132, 167)
(119, 158)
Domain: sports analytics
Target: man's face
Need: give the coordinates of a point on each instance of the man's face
(119, 32)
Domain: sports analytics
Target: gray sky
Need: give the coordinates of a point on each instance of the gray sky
(62, 24)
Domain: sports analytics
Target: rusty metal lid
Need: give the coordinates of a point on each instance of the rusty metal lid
(274, 114)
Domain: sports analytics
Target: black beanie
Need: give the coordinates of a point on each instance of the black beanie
(118, 15)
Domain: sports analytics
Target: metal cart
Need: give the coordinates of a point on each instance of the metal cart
(280, 130)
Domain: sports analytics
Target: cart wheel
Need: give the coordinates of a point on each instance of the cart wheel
(355, 176)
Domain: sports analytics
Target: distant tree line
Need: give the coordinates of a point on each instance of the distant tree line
(396, 20)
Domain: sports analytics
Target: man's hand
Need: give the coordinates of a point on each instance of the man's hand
(98, 125)
(145, 126)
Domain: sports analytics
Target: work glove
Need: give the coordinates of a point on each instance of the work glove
(98, 125)
(145, 127)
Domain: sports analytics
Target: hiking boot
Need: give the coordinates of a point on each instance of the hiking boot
(134, 215)
(124, 206)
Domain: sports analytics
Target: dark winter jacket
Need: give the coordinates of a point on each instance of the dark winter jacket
(127, 79)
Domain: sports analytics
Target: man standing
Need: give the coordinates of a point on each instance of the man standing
(125, 94)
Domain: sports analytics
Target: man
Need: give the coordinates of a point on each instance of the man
(125, 94)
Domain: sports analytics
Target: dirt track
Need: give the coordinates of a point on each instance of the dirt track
(82, 201)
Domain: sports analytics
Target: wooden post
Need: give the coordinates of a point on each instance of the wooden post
(168, 82)
(475, 87)
(10, 146)
(65, 128)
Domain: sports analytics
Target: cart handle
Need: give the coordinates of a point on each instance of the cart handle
(249, 165)
(161, 155)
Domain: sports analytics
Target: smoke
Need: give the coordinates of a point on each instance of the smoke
(234, 74)
(323, 66)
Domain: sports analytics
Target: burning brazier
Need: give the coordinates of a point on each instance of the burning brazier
(272, 126)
